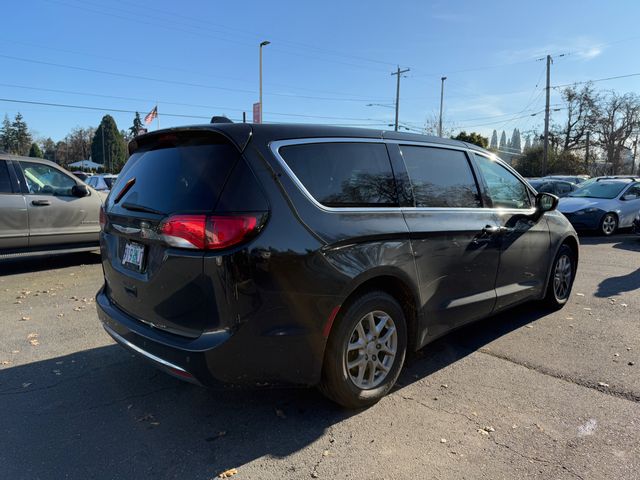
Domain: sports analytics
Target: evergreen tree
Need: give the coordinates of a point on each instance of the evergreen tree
(473, 137)
(113, 152)
(22, 135)
(516, 141)
(35, 151)
(7, 136)
(503, 141)
(137, 125)
(494, 140)
(527, 143)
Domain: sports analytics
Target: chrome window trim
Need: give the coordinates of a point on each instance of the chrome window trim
(276, 145)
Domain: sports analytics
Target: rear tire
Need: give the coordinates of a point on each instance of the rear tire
(365, 351)
(563, 273)
(608, 224)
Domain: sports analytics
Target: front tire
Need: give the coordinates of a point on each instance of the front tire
(563, 272)
(608, 224)
(365, 351)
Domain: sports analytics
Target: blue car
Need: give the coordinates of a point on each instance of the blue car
(603, 205)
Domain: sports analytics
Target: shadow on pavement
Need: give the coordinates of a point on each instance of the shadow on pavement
(102, 413)
(616, 285)
(13, 267)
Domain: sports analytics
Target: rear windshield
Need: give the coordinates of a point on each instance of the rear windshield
(599, 190)
(184, 178)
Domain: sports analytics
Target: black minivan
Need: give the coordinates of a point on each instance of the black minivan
(317, 255)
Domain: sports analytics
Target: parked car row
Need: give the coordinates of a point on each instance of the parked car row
(367, 244)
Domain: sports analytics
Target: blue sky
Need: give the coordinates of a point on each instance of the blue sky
(327, 62)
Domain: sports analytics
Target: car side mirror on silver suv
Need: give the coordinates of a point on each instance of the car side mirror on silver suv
(80, 191)
(546, 202)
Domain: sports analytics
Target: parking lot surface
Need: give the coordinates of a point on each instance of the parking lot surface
(525, 394)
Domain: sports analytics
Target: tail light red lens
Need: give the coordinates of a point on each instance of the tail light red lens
(103, 218)
(204, 232)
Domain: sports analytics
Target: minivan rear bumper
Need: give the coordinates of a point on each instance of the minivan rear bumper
(241, 355)
(181, 357)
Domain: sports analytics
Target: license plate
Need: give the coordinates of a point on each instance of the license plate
(133, 255)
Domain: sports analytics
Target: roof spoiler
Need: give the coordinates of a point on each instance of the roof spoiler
(216, 119)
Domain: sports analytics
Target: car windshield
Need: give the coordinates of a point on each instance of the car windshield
(599, 190)
(110, 181)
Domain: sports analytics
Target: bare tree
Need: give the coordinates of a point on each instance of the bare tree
(616, 118)
(581, 106)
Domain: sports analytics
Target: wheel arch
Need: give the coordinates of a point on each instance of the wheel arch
(572, 241)
(399, 287)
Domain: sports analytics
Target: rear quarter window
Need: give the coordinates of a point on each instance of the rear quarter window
(344, 174)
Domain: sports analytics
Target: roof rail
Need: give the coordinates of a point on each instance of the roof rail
(619, 177)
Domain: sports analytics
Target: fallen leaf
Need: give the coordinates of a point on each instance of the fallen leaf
(5, 362)
(587, 309)
(18, 301)
(443, 440)
(444, 385)
(529, 326)
(602, 384)
(616, 354)
(490, 429)
(623, 304)
(580, 294)
(325, 453)
(228, 473)
(631, 364)
(482, 431)
(25, 318)
(60, 315)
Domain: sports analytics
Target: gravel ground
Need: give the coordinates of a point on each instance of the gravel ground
(525, 394)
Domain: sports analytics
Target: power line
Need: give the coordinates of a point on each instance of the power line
(208, 107)
(176, 82)
(597, 80)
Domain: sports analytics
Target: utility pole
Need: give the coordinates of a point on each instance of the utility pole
(586, 155)
(398, 72)
(244, 117)
(545, 154)
(633, 163)
(441, 104)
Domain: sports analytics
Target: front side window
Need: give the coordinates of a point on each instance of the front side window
(634, 190)
(344, 174)
(440, 177)
(45, 180)
(5, 180)
(505, 189)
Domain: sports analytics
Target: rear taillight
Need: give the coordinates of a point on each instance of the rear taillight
(103, 218)
(203, 232)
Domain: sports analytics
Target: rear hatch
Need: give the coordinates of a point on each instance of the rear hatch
(158, 223)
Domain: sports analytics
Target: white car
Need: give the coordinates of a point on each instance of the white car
(102, 182)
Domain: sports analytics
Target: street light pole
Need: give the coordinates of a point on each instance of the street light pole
(262, 44)
(441, 104)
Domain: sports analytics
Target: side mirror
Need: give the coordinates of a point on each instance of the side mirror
(80, 191)
(545, 202)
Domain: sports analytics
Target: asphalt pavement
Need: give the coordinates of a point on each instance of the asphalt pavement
(525, 394)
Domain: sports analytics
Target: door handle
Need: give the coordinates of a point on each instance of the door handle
(495, 230)
(491, 230)
(41, 203)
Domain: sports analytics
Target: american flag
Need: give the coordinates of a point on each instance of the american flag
(151, 116)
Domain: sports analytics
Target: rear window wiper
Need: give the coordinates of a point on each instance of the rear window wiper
(139, 208)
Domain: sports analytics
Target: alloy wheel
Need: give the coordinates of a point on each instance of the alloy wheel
(609, 224)
(562, 277)
(371, 350)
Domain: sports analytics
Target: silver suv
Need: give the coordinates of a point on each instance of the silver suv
(44, 209)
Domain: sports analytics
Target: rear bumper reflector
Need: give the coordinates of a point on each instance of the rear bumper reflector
(332, 316)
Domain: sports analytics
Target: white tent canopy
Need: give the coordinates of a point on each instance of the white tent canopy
(88, 164)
